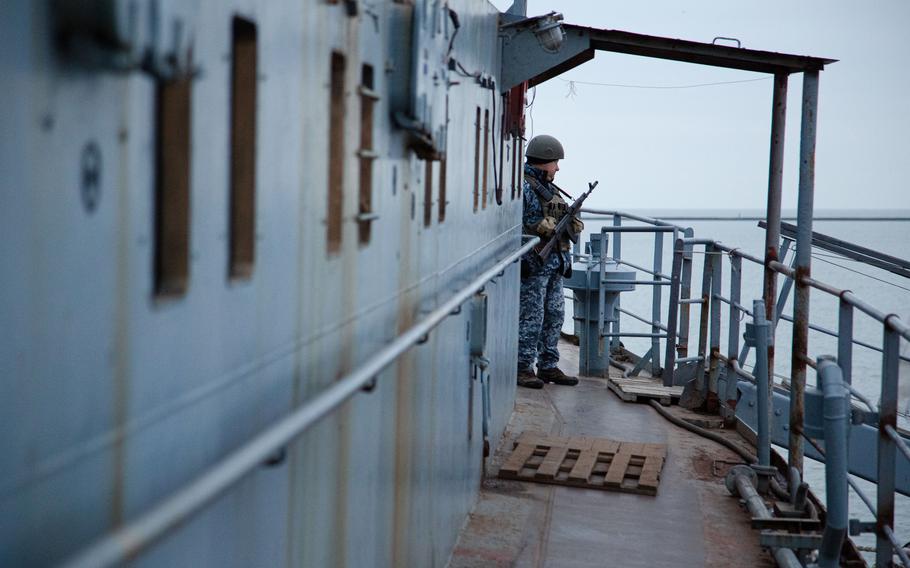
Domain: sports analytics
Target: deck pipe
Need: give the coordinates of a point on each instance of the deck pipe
(741, 481)
(836, 424)
(764, 382)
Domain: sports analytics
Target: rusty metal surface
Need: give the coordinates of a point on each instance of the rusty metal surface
(692, 521)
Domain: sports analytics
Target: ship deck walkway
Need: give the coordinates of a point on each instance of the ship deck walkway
(693, 520)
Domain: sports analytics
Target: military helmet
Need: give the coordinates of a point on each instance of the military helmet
(545, 148)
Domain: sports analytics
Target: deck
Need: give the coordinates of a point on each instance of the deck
(693, 520)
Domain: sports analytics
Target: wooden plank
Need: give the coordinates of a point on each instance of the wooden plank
(650, 473)
(606, 446)
(617, 471)
(596, 463)
(517, 460)
(550, 466)
(581, 473)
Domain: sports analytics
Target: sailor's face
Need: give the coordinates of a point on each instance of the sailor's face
(551, 168)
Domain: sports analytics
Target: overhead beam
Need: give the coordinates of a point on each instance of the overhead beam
(523, 59)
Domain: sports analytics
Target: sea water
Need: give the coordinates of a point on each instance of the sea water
(886, 291)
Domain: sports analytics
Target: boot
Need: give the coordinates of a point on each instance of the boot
(527, 379)
(555, 375)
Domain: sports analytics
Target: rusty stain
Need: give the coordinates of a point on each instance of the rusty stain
(798, 378)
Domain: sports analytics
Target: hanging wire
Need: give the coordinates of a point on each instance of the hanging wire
(861, 273)
(624, 86)
(822, 257)
(530, 107)
(497, 190)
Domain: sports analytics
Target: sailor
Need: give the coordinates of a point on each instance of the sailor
(542, 305)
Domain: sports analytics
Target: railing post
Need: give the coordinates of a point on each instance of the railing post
(716, 260)
(845, 339)
(655, 301)
(803, 266)
(736, 267)
(617, 254)
(672, 315)
(685, 292)
(703, 322)
(887, 452)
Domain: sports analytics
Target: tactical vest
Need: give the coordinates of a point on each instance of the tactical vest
(552, 203)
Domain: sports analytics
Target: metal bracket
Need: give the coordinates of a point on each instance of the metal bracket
(523, 58)
(858, 527)
(780, 539)
(863, 416)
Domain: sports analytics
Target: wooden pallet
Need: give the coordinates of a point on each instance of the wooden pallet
(635, 389)
(594, 463)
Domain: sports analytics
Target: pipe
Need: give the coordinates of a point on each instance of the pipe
(130, 539)
(763, 379)
(837, 416)
(741, 481)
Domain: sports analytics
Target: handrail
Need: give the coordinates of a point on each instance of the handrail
(649, 220)
(130, 539)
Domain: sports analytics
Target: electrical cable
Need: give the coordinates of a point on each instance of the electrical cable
(883, 281)
(497, 189)
(818, 256)
(704, 433)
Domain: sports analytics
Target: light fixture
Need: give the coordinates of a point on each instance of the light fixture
(547, 29)
(549, 32)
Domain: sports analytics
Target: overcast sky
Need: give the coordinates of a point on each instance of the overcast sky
(707, 147)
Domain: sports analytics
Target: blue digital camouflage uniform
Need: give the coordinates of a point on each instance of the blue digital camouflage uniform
(542, 304)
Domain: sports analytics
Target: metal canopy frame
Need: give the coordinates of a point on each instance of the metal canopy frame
(525, 60)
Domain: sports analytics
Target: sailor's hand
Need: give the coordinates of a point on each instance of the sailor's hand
(546, 227)
(577, 226)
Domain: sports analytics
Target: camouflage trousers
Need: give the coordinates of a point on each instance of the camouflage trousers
(540, 318)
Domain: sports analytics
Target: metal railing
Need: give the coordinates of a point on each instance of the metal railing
(709, 350)
(129, 540)
(710, 361)
(659, 279)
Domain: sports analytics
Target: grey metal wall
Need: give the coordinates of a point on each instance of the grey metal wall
(111, 399)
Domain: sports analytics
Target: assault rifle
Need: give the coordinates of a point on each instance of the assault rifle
(565, 224)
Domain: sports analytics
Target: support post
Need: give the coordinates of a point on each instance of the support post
(736, 267)
(803, 266)
(775, 185)
(685, 292)
(887, 451)
(617, 254)
(700, 382)
(845, 339)
(655, 301)
(673, 313)
(717, 270)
